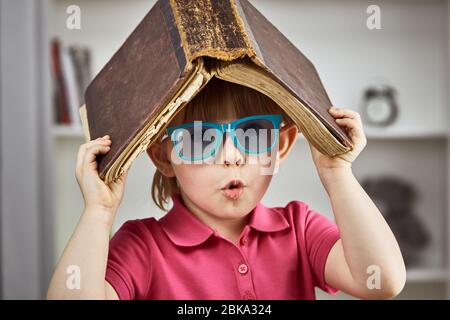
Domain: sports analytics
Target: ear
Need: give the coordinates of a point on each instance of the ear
(159, 153)
(287, 138)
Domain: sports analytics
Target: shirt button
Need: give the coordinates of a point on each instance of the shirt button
(243, 268)
(244, 240)
(249, 296)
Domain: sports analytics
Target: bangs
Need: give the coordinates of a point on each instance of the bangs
(220, 100)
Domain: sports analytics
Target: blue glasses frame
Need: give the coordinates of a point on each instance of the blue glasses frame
(223, 128)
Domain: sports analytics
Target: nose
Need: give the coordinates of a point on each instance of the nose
(229, 154)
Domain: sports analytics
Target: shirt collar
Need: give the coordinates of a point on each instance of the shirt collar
(185, 229)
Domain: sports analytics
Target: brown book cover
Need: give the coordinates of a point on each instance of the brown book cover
(171, 55)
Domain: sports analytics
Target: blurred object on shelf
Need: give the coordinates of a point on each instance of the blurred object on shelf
(81, 58)
(59, 87)
(379, 106)
(395, 199)
(71, 74)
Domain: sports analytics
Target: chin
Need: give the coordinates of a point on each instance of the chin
(235, 208)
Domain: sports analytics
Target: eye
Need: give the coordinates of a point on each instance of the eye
(256, 125)
(202, 139)
(251, 125)
(255, 135)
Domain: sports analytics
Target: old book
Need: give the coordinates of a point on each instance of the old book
(173, 53)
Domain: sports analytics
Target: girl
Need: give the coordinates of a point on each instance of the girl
(218, 241)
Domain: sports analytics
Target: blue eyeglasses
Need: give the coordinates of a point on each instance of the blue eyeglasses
(200, 140)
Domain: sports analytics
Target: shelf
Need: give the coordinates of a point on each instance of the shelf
(401, 134)
(422, 275)
(67, 131)
(404, 133)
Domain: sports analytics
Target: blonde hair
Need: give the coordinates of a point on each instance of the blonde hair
(218, 100)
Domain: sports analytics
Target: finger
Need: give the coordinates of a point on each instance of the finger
(117, 185)
(123, 176)
(352, 126)
(347, 123)
(354, 131)
(98, 141)
(341, 112)
(91, 153)
(103, 140)
(84, 147)
(344, 113)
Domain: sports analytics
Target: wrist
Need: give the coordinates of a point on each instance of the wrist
(100, 215)
(330, 175)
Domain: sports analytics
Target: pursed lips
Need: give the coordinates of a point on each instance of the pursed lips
(233, 189)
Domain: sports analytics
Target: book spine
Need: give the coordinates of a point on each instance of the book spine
(71, 85)
(178, 48)
(223, 33)
(60, 91)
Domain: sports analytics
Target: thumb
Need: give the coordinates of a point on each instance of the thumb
(117, 186)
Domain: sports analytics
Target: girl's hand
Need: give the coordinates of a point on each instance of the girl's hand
(352, 124)
(96, 193)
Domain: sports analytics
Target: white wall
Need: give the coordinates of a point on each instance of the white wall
(410, 52)
(24, 144)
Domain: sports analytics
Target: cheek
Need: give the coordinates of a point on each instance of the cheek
(260, 180)
(265, 164)
(192, 177)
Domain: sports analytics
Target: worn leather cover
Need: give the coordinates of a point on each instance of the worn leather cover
(158, 56)
(289, 67)
(137, 81)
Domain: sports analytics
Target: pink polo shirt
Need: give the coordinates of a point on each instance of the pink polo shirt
(281, 255)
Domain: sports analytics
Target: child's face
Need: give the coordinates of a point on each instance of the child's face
(229, 185)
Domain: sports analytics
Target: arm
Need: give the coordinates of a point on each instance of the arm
(366, 239)
(87, 249)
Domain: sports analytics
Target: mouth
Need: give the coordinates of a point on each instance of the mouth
(233, 189)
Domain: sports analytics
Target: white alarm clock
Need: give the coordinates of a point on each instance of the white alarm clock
(379, 106)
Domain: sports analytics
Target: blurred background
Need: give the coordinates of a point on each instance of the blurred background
(388, 60)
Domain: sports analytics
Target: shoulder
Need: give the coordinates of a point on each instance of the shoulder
(137, 231)
(303, 219)
(294, 211)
